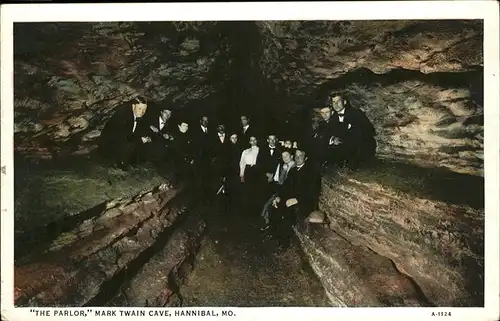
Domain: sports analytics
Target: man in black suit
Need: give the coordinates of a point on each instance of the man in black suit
(296, 198)
(322, 132)
(221, 149)
(267, 160)
(125, 135)
(246, 131)
(351, 140)
(161, 134)
(203, 147)
(269, 157)
(182, 148)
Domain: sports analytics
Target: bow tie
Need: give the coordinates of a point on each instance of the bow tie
(271, 147)
(341, 114)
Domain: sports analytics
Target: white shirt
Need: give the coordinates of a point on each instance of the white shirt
(248, 157)
(245, 128)
(299, 167)
(222, 137)
(161, 122)
(204, 129)
(341, 115)
(135, 124)
(272, 150)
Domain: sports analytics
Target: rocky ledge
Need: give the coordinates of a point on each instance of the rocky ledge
(394, 238)
(116, 255)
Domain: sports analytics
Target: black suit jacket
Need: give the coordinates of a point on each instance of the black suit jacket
(267, 163)
(244, 137)
(221, 152)
(203, 142)
(118, 130)
(355, 128)
(304, 184)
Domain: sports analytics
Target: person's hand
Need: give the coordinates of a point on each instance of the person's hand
(154, 129)
(291, 202)
(167, 136)
(276, 202)
(191, 162)
(335, 141)
(269, 177)
(242, 179)
(145, 139)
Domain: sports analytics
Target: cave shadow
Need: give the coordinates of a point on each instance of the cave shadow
(434, 183)
(473, 80)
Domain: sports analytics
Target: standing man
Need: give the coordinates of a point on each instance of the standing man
(246, 130)
(221, 156)
(352, 140)
(161, 134)
(269, 157)
(203, 145)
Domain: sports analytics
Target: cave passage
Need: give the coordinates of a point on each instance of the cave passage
(90, 235)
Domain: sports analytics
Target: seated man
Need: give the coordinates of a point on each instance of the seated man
(295, 199)
(125, 135)
(279, 178)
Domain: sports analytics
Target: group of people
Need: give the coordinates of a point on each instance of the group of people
(262, 174)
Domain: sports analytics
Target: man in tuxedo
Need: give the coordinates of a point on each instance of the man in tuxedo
(296, 198)
(125, 135)
(269, 157)
(161, 134)
(352, 135)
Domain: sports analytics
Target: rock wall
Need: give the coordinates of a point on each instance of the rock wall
(115, 255)
(70, 76)
(406, 231)
(420, 82)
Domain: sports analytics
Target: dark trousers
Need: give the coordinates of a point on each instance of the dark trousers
(282, 220)
(352, 154)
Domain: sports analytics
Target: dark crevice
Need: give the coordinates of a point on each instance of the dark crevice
(472, 80)
(111, 287)
(38, 239)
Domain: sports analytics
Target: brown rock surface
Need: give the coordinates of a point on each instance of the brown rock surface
(380, 215)
(81, 265)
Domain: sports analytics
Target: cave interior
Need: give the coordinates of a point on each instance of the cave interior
(406, 230)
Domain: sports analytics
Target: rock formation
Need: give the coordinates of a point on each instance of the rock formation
(407, 231)
(147, 241)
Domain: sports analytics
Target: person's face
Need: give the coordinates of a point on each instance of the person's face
(326, 113)
(220, 129)
(287, 157)
(234, 138)
(165, 114)
(204, 121)
(288, 144)
(183, 127)
(300, 157)
(139, 109)
(244, 120)
(271, 140)
(253, 141)
(338, 103)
